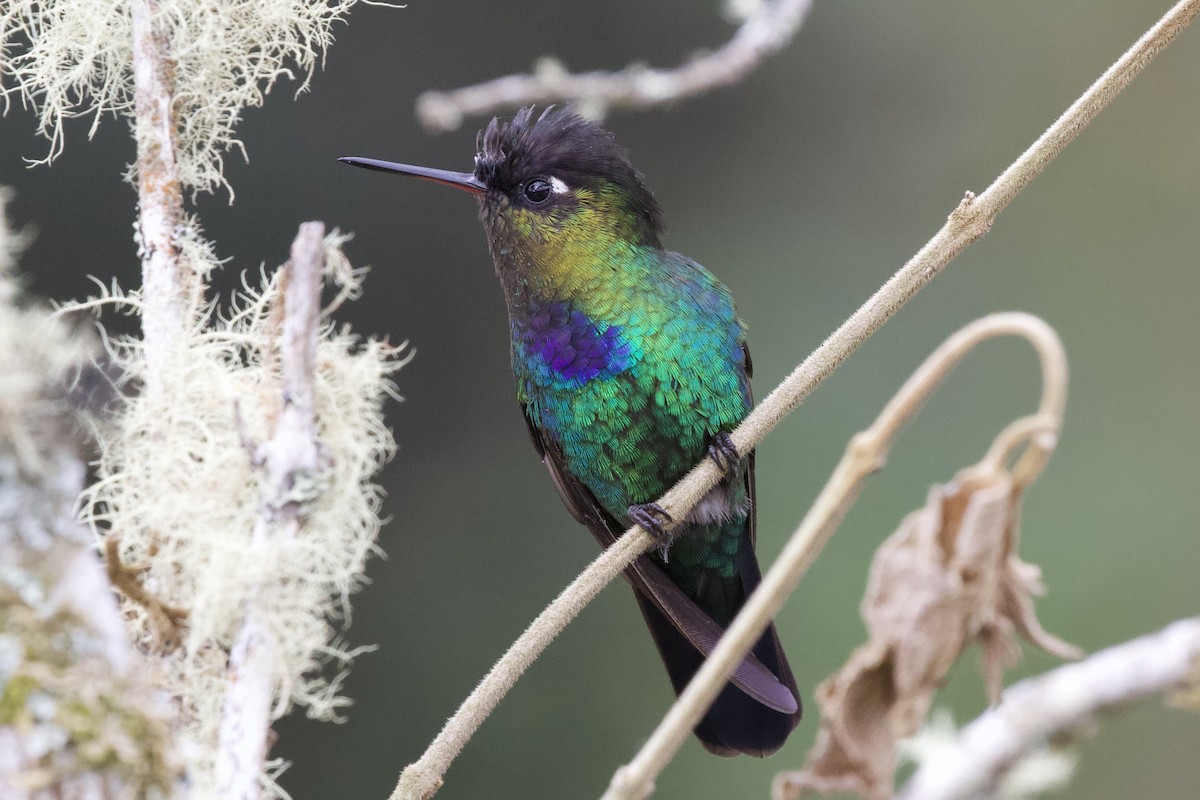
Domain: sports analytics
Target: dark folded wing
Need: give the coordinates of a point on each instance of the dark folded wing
(649, 580)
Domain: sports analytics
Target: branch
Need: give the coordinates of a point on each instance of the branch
(78, 717)
(1039, 431)
(864, 456)
(165, 282)
(969, 221)
(1035, 710)
(765, 32)
(291, 460)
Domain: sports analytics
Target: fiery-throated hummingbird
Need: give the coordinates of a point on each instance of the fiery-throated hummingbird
(631, 367)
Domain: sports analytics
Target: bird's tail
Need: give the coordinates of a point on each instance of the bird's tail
(736, 722)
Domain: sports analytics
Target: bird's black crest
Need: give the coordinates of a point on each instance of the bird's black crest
(565, 145)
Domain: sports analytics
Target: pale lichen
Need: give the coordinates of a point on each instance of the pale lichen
(72, 58)
(178, 484)
(177, 490)
(75, 712)
(1048, 768)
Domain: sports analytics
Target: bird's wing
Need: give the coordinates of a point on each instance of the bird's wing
(648, 579)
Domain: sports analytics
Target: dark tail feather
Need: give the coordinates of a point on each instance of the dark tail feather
(736, 723)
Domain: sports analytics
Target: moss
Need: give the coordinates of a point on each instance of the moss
(14, 698)
(108, 735)
(93, 720)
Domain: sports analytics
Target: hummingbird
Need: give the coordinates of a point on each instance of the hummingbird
(631, 366)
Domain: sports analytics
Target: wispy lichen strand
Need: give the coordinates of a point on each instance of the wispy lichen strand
(70, 58)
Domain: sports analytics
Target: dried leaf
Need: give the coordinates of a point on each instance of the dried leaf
(948, 576)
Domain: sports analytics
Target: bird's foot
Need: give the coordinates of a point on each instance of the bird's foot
(723, 452)
(652, 518)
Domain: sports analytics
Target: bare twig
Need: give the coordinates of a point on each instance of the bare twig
(766, 31)
(291, 460)
(864, 455)
(969, 221)
(1035, 710)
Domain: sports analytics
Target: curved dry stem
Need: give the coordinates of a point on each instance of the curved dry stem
(766, 31)
(1053, 360)
(969, 221)
(864, 455)
(947, 356)
(1038, 433)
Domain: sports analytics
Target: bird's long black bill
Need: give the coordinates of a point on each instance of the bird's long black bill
(458, 180)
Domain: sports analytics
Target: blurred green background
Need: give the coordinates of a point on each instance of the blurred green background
(803, 188)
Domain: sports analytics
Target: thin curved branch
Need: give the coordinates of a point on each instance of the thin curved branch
(1040, 431)
(1035, 710)
(864, 456)
(769, 29)
(969, 221)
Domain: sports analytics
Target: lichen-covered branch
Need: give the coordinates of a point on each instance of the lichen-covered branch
(766, 30)
(292, 466)
(167, 286)
(77, 717)
(194, 540)
(186, 488)
(1036, 710)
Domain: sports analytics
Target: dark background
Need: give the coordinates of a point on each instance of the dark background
(804, 188)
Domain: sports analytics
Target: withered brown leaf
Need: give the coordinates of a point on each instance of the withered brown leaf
(949, 576)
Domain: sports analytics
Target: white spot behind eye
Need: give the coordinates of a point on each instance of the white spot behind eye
(557, 186)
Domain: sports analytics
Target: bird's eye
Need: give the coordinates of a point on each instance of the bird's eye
(537, 191)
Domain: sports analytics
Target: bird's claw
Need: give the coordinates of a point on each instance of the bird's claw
(723, 452)
(652, 518)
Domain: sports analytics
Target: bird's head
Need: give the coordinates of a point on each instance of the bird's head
(553, 191)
